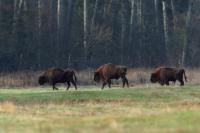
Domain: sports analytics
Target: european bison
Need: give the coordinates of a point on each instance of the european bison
(110, 71)
(163, 75)
(57, 75)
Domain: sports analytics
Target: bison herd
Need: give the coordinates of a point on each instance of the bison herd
(107, 72)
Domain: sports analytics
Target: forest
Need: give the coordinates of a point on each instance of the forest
(81, 34)
(149, 45)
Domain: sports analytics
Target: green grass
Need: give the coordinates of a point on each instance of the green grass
(137, 109)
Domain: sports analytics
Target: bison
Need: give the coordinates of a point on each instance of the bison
(164, 75)
(107, 72)
(57, 75)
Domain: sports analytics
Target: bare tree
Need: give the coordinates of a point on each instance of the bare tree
(39, 24)
(165, 27)
(131, 21)
(94, 12)
(85, 31)
(187, 26)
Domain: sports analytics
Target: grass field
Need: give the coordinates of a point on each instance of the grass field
(137, 109)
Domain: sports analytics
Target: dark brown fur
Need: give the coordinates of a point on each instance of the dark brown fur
(57, 75)
(107, 72)
(164, 75)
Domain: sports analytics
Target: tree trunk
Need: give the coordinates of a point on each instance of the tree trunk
(68, 30)
(131, 22)
(156, 10)
(170, 29)
(173, 13)
(186, 39)
(54, 28)
(94, 12)
(85, 32)
(123, 30)
(58, 43)
(14, 17)
(140, 33)
(165, 28)
(39, 23)
(161, 33)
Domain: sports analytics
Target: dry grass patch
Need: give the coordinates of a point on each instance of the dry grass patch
(7, 107)
(85, 77)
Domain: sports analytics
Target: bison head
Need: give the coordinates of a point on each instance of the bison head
(153, 78)
(42, 80)
(96, 76)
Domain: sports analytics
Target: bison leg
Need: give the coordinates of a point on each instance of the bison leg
(161, 83)
(182, 82)
(167, 83)
(74, 83)
(125, 81)
(180, 79)
(109, 83)
(103, 85)
(68, 85)
(54, 87)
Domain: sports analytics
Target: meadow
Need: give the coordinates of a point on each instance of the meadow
(142, 109)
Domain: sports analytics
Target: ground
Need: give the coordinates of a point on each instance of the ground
(139, 109)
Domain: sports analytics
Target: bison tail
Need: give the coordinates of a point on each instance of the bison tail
(75, 78)
(184, 75)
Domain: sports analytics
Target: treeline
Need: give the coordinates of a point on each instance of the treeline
(36, 34)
